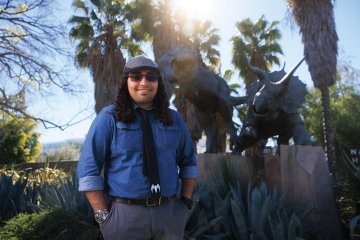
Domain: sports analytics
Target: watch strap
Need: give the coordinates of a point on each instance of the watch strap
(187, 202)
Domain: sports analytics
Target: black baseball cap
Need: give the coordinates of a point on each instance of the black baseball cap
(140, 62)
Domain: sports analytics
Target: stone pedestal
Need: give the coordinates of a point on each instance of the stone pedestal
(301, 171)
(213, 166)
(272, 171)
(305, 177)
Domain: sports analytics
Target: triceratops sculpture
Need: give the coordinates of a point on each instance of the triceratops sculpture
(273, 103)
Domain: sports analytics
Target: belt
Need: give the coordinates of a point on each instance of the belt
(149, 202)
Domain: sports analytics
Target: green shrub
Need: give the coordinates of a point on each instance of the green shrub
(344, 110)
(55, 224)
(19, 142)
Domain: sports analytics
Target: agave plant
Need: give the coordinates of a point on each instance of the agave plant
(229, 206)
(354, 226)
(47, 175)
(45, 188)
(202, 222)
(16, 196)
(264, 215)
(64, 194)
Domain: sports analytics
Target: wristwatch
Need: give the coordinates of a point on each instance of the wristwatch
(101, 215)
(187, 202)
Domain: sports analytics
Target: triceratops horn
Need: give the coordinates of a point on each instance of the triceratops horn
(258, 71)
(283, 69)
(290, 74)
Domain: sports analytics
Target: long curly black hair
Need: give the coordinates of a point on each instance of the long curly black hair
(126, 113)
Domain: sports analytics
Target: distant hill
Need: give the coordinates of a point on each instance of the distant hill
(53, 146)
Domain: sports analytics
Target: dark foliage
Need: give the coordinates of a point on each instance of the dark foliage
(55, 224)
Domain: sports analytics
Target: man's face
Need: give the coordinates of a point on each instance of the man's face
(143, 86)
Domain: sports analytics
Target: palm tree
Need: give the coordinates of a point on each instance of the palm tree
(203, 39)
(317, 26)
(153, 22)
(101, 33)
(256, 45)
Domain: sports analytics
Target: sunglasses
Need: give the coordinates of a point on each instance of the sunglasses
(138, 76)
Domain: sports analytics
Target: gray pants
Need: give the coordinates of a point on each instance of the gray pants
(130, 222)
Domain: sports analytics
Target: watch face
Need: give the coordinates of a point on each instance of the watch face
(101, 216)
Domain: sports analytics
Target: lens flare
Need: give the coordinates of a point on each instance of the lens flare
(195, 9)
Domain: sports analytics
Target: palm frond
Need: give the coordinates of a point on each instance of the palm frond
(80, 4)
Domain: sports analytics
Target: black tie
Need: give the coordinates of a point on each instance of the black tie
(150, 167)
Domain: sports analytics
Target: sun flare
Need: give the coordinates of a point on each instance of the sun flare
(198, 9)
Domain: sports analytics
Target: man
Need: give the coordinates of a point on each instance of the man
(144, 148)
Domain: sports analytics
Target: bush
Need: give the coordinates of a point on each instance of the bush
(56, 224)
(18, 142)
(344, 110)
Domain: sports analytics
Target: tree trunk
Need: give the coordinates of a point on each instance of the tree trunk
(187, 111)
(317, 25)
(165, 34)
(327, 124)
(107, 72)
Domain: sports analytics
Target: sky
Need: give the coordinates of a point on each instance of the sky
(223, 14)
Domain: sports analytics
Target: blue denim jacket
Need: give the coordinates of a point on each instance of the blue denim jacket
(116, 147)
